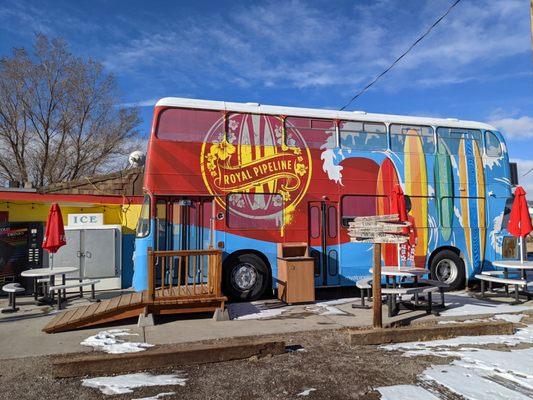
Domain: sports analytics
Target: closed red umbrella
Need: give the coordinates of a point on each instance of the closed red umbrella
(520, 220)
(397, 206)
(54, 236)
(397, 203)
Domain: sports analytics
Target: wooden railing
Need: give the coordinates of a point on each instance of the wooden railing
(184, 273)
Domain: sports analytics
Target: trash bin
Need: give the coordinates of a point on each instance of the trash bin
(296, 280)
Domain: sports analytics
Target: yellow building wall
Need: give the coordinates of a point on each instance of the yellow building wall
(115, 214)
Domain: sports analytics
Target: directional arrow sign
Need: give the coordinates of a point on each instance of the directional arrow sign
(378, 229)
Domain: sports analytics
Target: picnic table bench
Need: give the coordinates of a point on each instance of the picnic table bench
(513, 273)
(421, 286)
(517, 283)
(81, 283)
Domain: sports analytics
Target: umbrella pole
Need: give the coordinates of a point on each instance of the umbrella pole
(399, 257)
(521, 249)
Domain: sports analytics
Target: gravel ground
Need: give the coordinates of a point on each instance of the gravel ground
(327, 364)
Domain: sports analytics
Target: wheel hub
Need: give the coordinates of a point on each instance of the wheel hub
(244, 276)
(446, 271)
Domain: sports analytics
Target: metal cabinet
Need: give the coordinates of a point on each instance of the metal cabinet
(95, 251)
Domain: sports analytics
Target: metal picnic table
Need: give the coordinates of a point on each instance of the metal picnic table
(522, 266)
(47, 272)
(406, 272)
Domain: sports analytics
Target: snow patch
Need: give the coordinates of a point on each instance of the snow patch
(254, 310)
(514, 318)
(121, 384)
(477, 373)
(327, 307)
(157, 396)
(405, 392)
(306, 392)
(471, 384)
(109, 342)
(460, 304)
(437, 347)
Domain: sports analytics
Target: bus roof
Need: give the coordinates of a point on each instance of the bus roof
(319, 113)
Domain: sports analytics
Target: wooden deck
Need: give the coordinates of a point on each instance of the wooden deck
(165, 299)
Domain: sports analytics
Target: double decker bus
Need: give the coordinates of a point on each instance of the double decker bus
(245, 177)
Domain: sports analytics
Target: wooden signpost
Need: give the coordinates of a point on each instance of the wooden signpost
(377, 230)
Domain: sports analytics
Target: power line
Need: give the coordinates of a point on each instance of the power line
(403, 55)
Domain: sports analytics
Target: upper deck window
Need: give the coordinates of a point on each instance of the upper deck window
(400, 133)
(451, 138)
(186, 125)
(363, 136)
(317, 133)
(493, 147)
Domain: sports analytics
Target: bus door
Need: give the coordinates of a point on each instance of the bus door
(191, 230)
(323, 233)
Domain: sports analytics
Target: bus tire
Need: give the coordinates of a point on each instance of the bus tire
(449, 268)
(245, 277)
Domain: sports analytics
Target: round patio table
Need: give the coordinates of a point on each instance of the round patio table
(403, 272)
(49, 272)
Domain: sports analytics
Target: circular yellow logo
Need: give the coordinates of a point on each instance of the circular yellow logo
(253, 160)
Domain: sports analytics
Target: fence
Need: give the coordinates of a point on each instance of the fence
(184, 274)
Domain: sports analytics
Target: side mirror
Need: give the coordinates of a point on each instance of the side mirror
(514, 173)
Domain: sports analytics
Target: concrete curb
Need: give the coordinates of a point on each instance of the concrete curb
(427, 332)
(162, 356)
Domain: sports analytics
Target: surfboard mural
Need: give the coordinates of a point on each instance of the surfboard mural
(386, 180)
(416, 186)
(472, 202)
(443, 177)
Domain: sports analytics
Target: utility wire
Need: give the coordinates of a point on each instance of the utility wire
(402, 56)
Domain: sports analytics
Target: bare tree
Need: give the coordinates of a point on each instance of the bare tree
(59, 118)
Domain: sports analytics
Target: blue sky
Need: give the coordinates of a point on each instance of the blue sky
(476, 65)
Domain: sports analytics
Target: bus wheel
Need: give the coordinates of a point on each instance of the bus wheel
(245, 277)
(449, 268)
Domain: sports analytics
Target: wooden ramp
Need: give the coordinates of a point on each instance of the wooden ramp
(165, 299)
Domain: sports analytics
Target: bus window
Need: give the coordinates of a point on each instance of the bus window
(451, 138)
(314, 222)
(186, 125)
(399, 133)
(361, 136)
(143, 225)
(361, 206)
(317, 133)
(254, 211)
(493, 146)
(332, 222)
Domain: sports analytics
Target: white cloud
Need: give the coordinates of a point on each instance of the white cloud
(141, 103)
(525, 175)
(515, 127)
(295, 44)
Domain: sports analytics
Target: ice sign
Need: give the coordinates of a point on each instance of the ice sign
(94, 219)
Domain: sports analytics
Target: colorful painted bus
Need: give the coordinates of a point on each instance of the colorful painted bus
(245, 177)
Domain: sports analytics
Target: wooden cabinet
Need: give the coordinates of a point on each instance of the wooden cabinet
(296, 281)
